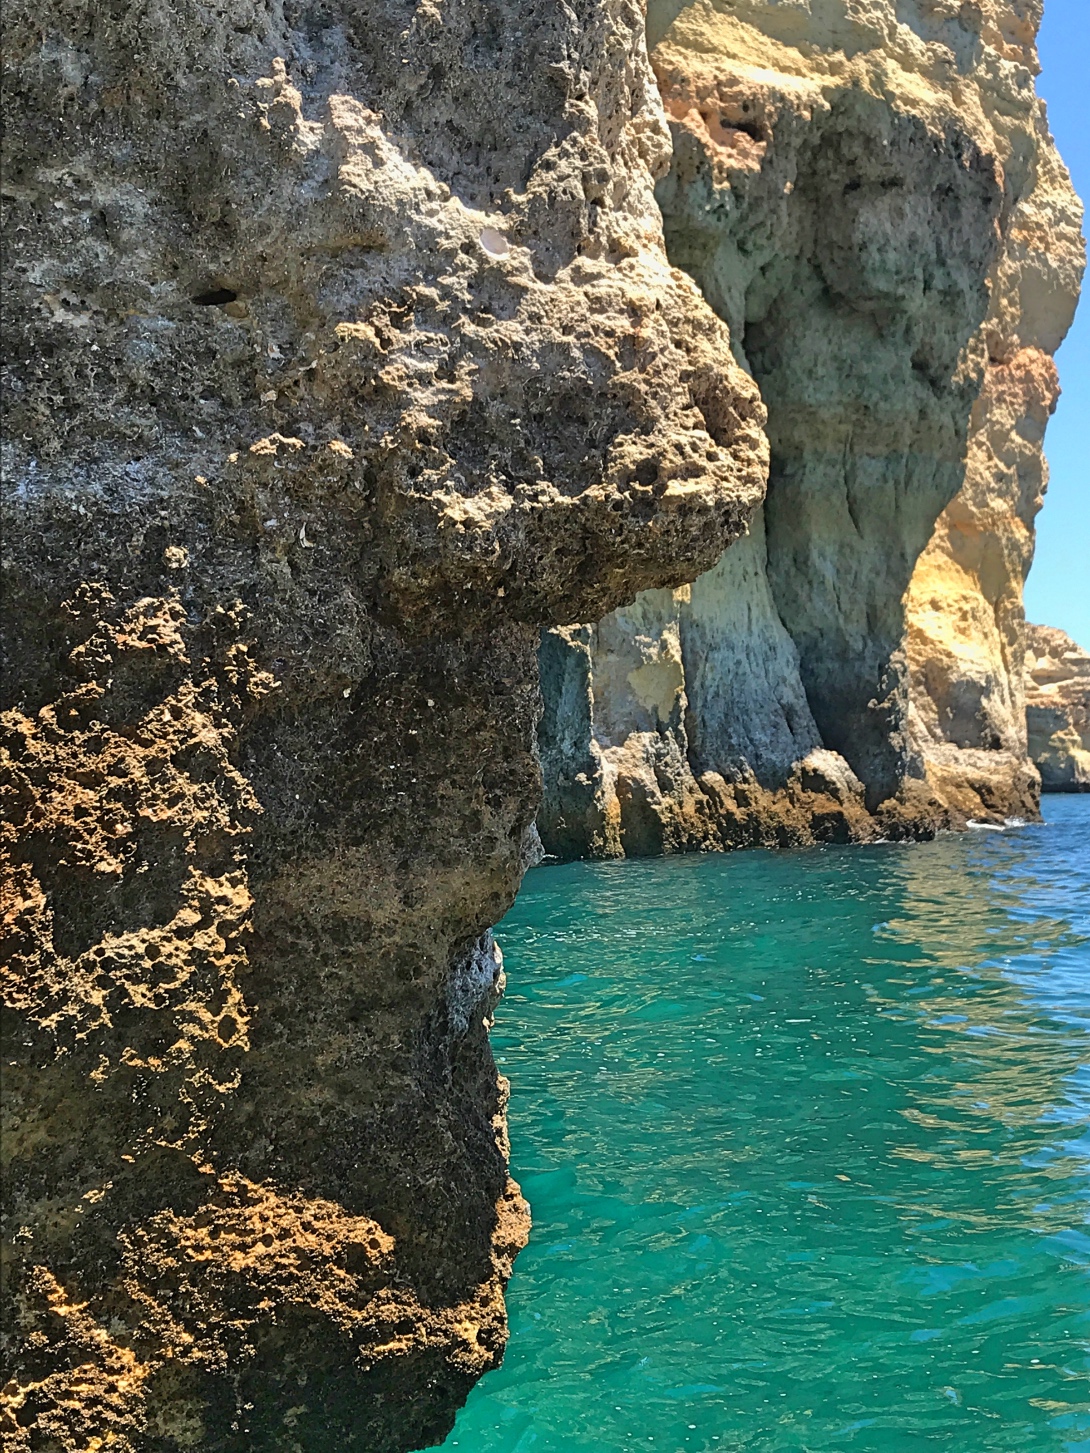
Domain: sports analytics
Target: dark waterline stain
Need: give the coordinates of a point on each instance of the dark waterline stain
(805, 1137)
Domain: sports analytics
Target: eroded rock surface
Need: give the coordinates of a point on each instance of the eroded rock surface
(869, 195)
(1058, 709)
(343, 355)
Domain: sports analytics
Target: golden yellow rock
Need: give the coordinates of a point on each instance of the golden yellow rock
(1058, 709)
(868, 195)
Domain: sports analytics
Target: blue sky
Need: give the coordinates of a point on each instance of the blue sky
(1058, 589)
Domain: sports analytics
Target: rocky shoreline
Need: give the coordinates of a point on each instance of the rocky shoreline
(348, 351)
(878, 212)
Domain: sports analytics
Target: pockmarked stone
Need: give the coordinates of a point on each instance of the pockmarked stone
(342, 355)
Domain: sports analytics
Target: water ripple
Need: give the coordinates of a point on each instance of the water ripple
(806, 1142)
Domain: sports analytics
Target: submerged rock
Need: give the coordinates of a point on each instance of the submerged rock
(1058, 709)
(343, 355)
(870, 197)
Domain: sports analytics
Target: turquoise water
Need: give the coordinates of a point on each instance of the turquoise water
(806, 1141)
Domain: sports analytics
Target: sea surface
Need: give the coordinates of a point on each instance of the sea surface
(805, 1136)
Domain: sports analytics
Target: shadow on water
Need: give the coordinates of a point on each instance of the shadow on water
(805, 1138)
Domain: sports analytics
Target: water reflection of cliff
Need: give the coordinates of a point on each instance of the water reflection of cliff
(799, 1133)
(1005, 1018)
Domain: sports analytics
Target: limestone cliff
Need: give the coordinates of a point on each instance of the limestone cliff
(1058, 709)
(868, 194)
(342, 355)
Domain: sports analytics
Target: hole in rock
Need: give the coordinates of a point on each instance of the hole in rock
(356, 1260)
(214, 297)
(751, 128)
(646, 472)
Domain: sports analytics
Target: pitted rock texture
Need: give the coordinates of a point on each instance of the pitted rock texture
(342, 355)
(868, 194)
(1058, 709)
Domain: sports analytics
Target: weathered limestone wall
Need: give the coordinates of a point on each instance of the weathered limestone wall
(1057, 686)
(342, 355)
(869, 196)
(965, 640)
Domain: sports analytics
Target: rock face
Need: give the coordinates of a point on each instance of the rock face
(869, 196)
(1058, 709)
(342, 356)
